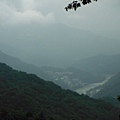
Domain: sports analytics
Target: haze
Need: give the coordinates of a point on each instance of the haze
(41, 32)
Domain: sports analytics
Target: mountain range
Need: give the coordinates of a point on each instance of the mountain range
(25, 96)
(54, 45)
(72, 78)
(100, 64)
(67, 78)
(20, 65)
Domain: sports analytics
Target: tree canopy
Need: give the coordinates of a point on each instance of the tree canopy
(27, 97)
(118, 97)
(76, 4)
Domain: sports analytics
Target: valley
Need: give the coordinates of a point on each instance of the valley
(93, 88)
(76, 79)
(72, 78)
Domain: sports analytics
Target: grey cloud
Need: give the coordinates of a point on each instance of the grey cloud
(98, 16)
(23, 31)
(27, 14)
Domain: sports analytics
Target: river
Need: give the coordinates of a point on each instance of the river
(88, 87)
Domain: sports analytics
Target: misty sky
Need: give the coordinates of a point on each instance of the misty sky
(102, 18)
(104, 14)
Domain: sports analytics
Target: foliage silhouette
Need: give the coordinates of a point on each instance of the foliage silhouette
(118, 97)
(76, 4)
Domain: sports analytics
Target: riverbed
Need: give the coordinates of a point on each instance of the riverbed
(88, 87)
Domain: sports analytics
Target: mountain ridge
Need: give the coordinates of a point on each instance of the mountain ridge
(100, 64)
(56, 45)
(20, 65)
(67, 78)
(25, 95)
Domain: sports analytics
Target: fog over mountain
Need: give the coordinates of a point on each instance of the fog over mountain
(100, 64)
(41, 32)
(53, 44)
(22, 66)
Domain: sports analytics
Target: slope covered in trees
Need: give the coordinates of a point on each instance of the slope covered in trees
(26, 96)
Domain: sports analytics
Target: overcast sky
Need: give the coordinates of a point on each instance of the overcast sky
(104, 14)
(102, 18)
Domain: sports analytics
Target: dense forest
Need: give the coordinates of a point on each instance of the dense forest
(27, 97)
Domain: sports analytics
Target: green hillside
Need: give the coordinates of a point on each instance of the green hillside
(27, 97)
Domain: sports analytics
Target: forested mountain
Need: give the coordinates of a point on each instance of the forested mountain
(111, 100)
(100, 64)
(110, 88)
(27, 97)
(67, 78)
(19, 65)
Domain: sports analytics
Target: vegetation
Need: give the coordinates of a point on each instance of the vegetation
(75, 4)
(112, 100)
(118, 98)
(27, 97)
